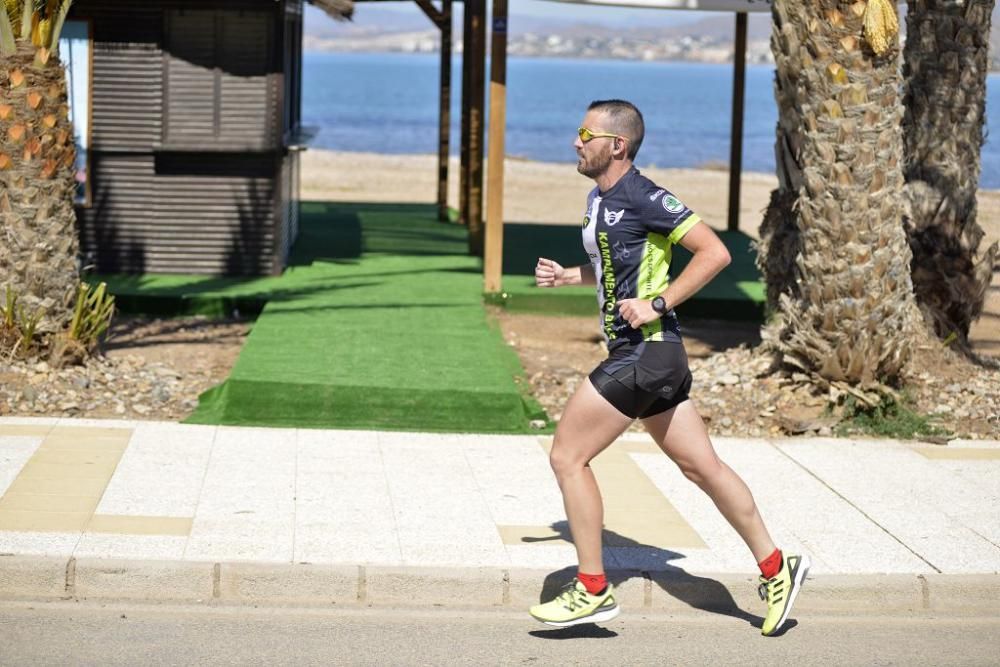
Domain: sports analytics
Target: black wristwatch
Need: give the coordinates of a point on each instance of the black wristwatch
(659, 305)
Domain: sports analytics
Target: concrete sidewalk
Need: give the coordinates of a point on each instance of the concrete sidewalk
(149, 510)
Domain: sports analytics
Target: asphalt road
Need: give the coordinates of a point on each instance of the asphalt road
(75, 633)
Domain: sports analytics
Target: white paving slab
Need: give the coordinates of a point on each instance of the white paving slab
(29, 421)
(515, 480)
(343, 514)
(448, 554)
(15, 450)
(151, 547)
(650, 559)
(801, 514)
(247, 506)
(102, 423)
(922, 504)
(983, 479)
(243, 539)
(436, 502)
(40, 544)
(161, 472)
(555, 555)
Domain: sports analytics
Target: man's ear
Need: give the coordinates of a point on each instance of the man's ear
(620, 145)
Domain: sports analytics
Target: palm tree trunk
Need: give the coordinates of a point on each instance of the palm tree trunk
(834, 253)
(39, 246)
(946, 59)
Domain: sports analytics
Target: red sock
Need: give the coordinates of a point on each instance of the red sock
(594, 583)
(771, 565)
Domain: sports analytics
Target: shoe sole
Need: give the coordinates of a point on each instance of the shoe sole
(596, 617)
(800, 575)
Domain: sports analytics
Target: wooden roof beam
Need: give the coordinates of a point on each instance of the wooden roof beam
(436, 16)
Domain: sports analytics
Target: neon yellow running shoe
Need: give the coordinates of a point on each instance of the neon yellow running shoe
(780, 591)
(575, 605)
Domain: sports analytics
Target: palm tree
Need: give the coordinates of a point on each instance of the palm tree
(38, 253)
(946, 59)
(834, 253)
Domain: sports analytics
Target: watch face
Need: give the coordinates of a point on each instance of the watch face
(659, 305)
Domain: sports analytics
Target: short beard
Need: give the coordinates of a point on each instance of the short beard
(596, 168)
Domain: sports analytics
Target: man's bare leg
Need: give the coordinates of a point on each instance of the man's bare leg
(682, 436)
(588, 425)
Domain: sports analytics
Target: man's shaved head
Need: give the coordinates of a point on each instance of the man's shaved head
(624, 119)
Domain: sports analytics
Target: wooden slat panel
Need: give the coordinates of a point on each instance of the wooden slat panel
(246, 104)
(150, 215)
(127, 90)
(191, 77)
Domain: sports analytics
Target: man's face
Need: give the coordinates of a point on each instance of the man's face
(594, 157)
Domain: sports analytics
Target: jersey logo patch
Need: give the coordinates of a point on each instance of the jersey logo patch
(656, 194)
(586, 220)
(672, 204)
(621, 251)
(612, 218)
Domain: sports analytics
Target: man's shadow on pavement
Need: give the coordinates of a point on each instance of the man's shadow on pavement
(698, 592)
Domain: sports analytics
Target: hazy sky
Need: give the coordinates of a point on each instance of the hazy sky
(570, 11)
(372, 12)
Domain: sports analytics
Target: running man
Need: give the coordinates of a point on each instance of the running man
(629, 230)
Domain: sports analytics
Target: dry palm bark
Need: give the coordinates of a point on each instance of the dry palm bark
(39, 247)
(946, 59)
(834, 253)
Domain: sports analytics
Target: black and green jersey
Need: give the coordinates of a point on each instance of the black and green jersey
(628, 233)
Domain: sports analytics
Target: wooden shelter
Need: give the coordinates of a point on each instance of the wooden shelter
(192, 158)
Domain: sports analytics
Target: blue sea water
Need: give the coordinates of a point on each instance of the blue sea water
(388, 103)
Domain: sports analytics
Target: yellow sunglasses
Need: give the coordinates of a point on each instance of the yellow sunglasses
(586, 134)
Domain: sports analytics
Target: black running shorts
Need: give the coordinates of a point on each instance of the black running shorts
(645, 379)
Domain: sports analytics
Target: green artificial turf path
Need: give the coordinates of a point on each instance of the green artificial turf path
(378, 323)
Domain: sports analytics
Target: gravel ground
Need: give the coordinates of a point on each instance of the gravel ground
(156, 368)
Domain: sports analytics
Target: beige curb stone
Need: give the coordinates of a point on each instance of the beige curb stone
(950, 592)
(174, 581)
(39, 577)
(24, 577)
(288, 585)
(866, 594)
(450, 587)
(678, 592)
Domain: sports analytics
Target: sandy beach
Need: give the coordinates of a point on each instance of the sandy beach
(554, 193)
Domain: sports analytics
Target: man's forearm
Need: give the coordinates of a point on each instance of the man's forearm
(578, 275)
(699, 272)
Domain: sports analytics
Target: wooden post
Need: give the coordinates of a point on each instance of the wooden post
(736, 133)
(442, 19)
(477, 93)
(493, 251)
(444, 131)
(463, 141)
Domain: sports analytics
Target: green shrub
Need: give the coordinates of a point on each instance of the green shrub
(890, 419)
(18, 328)
(91, 318)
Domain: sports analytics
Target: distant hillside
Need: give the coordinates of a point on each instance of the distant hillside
(664, 36)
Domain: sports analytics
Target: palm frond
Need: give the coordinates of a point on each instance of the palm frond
(342, 10)
(27, 11)
(7, 44)
(13, 12)
(58, 25)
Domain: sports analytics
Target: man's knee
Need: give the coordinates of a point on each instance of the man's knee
(701, 472)
(564, 460)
